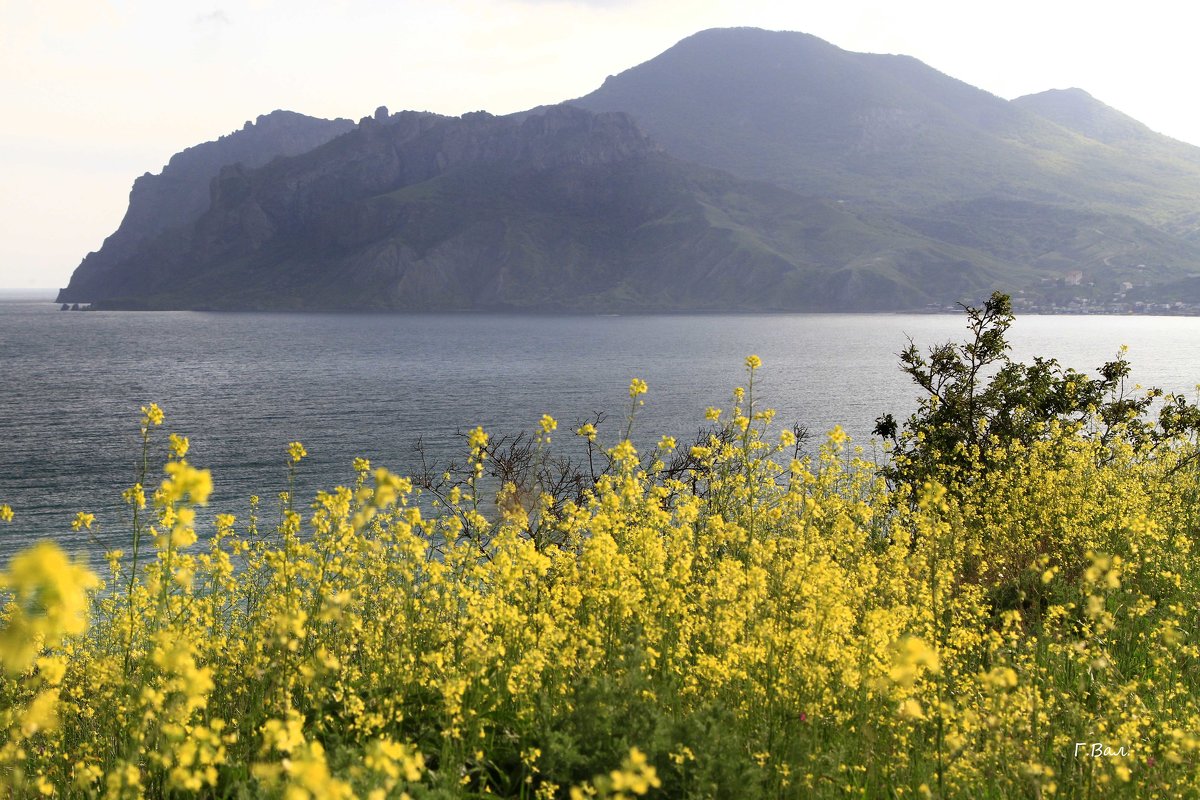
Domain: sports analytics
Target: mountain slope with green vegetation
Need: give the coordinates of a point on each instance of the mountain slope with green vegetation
(891, 133)
(795, 110)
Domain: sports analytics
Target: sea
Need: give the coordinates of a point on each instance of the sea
(241, 386)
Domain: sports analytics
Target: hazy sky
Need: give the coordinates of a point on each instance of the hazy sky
(95, 93)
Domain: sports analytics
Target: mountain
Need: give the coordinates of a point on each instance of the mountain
(565, 209)
(740, 169)
(889, 132)
(180, 193)
(795, 110)
(1076, 110)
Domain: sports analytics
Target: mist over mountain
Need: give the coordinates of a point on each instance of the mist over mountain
(889, 131)
(740, 169)
(795, 110)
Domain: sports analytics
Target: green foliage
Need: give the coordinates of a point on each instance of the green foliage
(976, 397)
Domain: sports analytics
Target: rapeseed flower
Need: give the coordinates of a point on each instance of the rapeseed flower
(49, 601)
(179, 445)
(152, 416)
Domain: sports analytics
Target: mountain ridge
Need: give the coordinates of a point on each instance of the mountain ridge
(566, 210)
(838, 180)
(889, 127)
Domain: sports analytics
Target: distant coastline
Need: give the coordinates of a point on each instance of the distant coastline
(1113, 309)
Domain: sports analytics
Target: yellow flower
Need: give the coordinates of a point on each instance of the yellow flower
(6, 513)
(625, 452)
(82, 520)
(636, 775)
(477, 439)
(42, 713)
(296, 451)
(753, 362)
(179, 445)
(910, 657)
(397, 762)
(151, 415)
(185, 480)
(49, 601)
(51, 669)
(875, 612)
(1001, 678)
(135, 495)
(636, 387)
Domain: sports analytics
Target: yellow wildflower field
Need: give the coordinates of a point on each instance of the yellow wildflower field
(733, 619)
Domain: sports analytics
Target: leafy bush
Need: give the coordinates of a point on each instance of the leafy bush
(975, 397)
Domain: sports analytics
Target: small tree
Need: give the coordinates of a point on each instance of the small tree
(977, 396)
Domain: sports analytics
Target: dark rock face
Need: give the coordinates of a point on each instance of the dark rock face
(172, 227)
(178, 195)
(325, 197)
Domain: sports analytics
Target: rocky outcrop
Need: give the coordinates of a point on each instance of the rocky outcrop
(177, 196)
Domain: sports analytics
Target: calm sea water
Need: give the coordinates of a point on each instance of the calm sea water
(242, 386)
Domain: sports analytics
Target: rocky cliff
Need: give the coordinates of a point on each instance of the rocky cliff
(178, 195)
